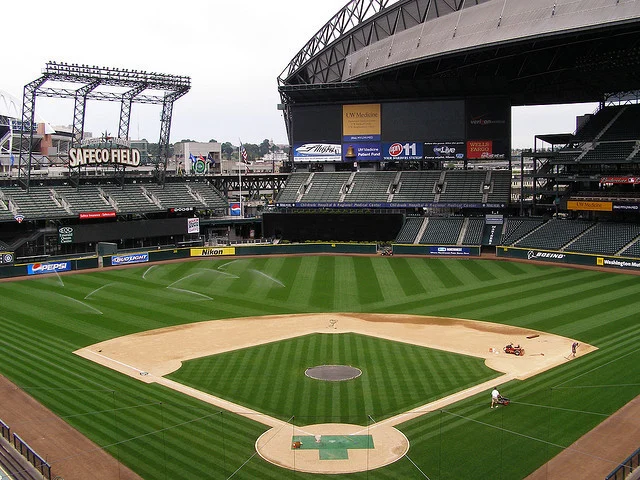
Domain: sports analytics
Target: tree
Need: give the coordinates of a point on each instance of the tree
(213, 140)
(265, 147)
(227, 150)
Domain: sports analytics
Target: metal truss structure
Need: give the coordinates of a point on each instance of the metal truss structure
(141, 87)
(322, 59)
(251, 184)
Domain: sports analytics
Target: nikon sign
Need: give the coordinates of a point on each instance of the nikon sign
(101, 156)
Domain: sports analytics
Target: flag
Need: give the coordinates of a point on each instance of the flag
(199, 163)
(192, 158)
(211, 160)
(13, 159)
(243, 153)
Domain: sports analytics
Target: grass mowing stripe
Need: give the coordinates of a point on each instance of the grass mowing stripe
(286, 272)
(323, 284)
(405, 276)
(367, 284)
(581, 316)
(478, 270)
(509, 286)
(537, 300)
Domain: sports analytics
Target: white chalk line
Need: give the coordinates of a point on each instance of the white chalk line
(118, 362)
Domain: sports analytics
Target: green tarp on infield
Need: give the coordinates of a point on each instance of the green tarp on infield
(334, 447)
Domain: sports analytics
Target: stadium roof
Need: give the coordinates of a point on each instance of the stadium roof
(534, 51)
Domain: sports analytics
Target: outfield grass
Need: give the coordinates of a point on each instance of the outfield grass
(163, 434)
(396, 377)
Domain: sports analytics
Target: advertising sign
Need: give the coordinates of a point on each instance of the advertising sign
(193, 225)
(130, 258)
(402, 151)
(234, 209)
(362, 152)
(569, 257)
(6, 257)
(434, 250)
(589, 206)
(444, 150)
(317, 152)
(477, 149)
(212, 252)
(93, 215)
(620, 180)
(97, 156)
(65, 235)
(50, 267)
(361, 122)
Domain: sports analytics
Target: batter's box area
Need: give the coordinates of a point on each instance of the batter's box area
(332, 447)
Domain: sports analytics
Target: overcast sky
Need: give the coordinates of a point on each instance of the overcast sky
(233, 51)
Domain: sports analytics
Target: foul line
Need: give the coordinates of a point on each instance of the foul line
(532, 438)
(563, 409)
(596, 368)
(119, 363)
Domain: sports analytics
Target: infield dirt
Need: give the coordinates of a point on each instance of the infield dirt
(149, 356)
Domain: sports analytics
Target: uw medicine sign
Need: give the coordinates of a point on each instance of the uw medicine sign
(92, 154)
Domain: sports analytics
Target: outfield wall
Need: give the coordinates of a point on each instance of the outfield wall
(442, 250)
(569, 258)
(63, 265)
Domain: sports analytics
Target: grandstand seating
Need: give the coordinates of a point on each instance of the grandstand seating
(516, 228)
(609, 152)
(129, 199)
(473, 234)
(409, 230)
(184, 195)
(501, 187)
(463, 186)
(625, 127)
(290, 191)
(597, 123)
(605, 238)
(416, 186)
(325, 187)
(554, 234)
(442, 231)
(370, 187)
(84, 198)
(211, 197)
(36, 204)
(633, 250)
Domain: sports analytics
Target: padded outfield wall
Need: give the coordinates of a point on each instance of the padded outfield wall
(569, 258)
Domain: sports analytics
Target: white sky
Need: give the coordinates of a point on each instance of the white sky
(233, 51)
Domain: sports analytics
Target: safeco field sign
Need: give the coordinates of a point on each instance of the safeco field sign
(212, 252)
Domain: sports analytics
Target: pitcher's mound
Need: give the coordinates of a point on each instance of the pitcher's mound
(333, 373)
(332, 447)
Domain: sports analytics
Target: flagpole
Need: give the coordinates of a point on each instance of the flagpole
(240, 178)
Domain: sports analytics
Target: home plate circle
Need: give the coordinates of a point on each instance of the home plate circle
(332, 448)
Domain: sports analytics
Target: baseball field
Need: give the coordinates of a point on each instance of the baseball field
(196, 370)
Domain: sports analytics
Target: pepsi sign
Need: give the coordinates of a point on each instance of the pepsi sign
(399, 151)
(50, 267)
(234, 209)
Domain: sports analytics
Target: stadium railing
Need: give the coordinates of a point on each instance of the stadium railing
(626, 468)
